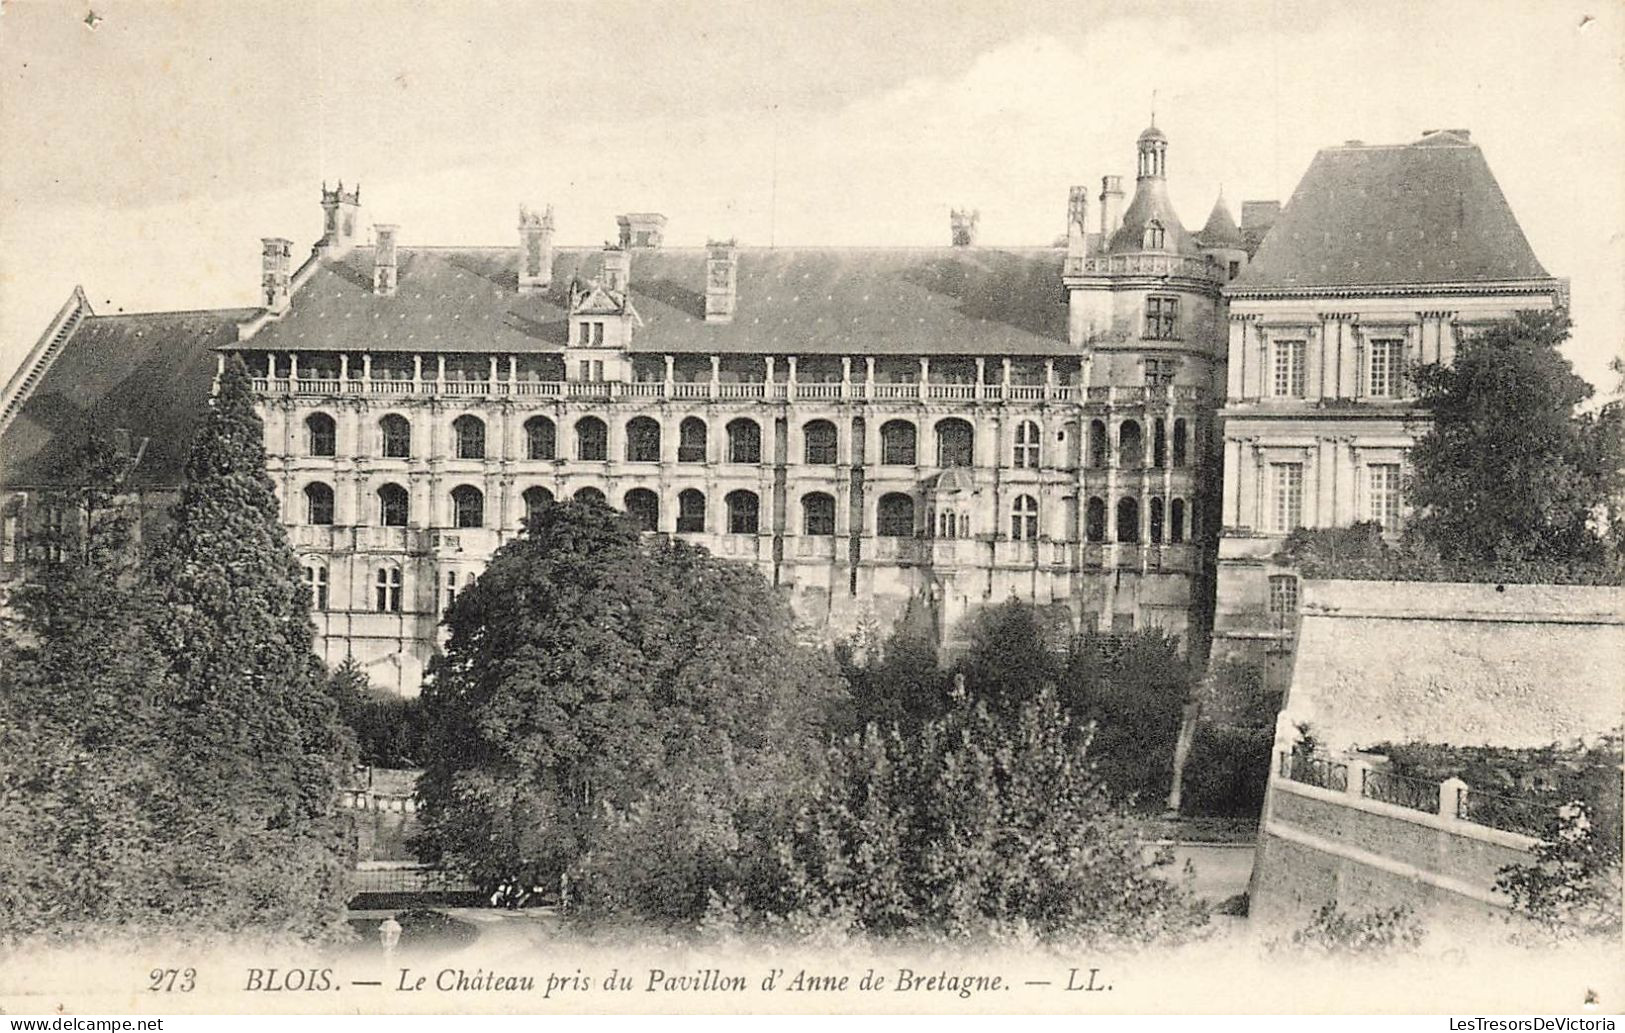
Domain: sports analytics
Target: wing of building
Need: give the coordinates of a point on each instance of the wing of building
(1383, 259)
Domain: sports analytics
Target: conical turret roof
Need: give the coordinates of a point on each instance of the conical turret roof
(1221, 229)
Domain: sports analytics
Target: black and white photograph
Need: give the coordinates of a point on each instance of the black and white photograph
(899, 508)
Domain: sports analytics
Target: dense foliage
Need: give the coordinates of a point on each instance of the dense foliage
(1229, 763)
(390, 731)
(1573, 888)
(597, 682)
(171, 748)
(977, 825)
(85, 793)
(1509, 471)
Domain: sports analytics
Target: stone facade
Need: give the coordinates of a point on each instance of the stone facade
(1384, 260)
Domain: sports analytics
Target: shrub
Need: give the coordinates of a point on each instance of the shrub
(1370, 933)
(976, 826)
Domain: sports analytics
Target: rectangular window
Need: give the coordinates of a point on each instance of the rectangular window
(1159, 372)
(1162, 318)
(1289, 369)
(1382, 494)
(598, 333)
(1286, 495)
(1283, 594)
(1387, 356)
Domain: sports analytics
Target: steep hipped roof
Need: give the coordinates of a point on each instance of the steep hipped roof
(150, 373)
(1426, 212)
(844, 301)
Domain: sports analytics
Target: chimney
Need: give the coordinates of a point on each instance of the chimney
(275, 275)
(340, 207)
(383, 263)
(1111, 206)
(617, 269)
(641, 229)
(535, 250)
(1077, 221)
(721, 280)
(963, 222)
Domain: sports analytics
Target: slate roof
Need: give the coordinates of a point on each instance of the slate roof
(149, 372)
(1221, 229)
(1419, 213)
(806, 301)
(1151, 202)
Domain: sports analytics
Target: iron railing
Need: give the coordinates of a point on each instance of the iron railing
(1400, 790)
(1315, 769)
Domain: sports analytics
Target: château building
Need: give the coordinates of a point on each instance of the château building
(874, 429)
(1120, 428)
(1385, 257)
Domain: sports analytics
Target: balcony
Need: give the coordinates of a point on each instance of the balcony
(1144, 264)
(744, 391)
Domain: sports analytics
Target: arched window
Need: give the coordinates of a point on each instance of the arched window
(321, 435)
(820, 443)
(592, 440)
(541, 438)
(1156, 521)
(896, 516)
(643, 506)
(468, 506)
(316, 581)
(948, 524)
(1176, 520)
(388, 588)
(744, 442)
(956, 443)
(691, 511)
(388, 584)
(1130, 448)
(642, 440)
(318, 504)
(1180, 435)
(1027, 445)
(589, 495)
(817, 513)
(1159, 443)
(396, 431)
(1155, 236)
(742, 511)
(1024, 519)
(393, 506)
(1094, 520)
(537, 498)
(470, 434)
(897, 443)
(1097, 443)
(1128, 520)
(691, 441)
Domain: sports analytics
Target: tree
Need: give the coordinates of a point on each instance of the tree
(977, 825)
(593, 675)
(1508, 472)
(389, 730)
(262, 749)
(1008, 660)
(899, 683)
(83, 782)
(1134, 688)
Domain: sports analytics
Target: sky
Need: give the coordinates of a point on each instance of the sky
(146, 147)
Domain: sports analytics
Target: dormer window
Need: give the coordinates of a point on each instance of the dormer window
(1155, 237)
(592, 332)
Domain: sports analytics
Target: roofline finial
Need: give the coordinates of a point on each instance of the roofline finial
(1153, 107)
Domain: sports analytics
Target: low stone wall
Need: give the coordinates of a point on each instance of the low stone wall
(1318, 846)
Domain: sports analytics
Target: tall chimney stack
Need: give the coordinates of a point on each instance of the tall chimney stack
(535, 250)
(963, 223)
(340, 208)
(721, 280)
(383, 263)
(1077, 222)
(617, 269)
(1111, 206)
(275, 274)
